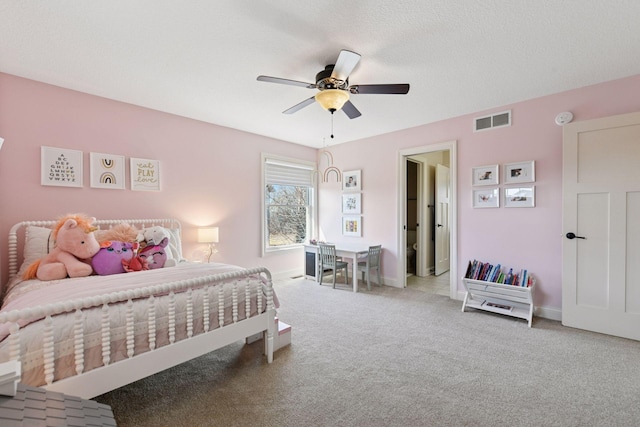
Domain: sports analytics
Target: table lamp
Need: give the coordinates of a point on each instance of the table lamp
(209, 235)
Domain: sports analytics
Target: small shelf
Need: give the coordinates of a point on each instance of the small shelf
(515, 301)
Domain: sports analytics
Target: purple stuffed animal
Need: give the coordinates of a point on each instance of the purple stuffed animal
(155, 255)
(109, 258)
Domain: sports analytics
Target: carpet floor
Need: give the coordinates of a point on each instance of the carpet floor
(396, 357)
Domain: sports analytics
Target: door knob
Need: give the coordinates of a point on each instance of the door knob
(572, 236)
(439, 225)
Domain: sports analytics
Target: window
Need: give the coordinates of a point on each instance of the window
(288, 194)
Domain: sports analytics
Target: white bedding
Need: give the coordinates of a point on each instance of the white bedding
(33, 293)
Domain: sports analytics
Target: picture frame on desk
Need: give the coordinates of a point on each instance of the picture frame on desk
(352, 181)
(352, 225)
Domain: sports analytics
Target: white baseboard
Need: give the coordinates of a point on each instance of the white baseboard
(390, 282)
(548, 313)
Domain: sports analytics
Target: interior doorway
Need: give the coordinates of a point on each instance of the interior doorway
(420, 213)
(414, 215)
(427, 206)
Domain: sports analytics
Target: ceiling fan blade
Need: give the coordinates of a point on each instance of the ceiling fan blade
(286, 82)
(300, 105)
(345, 64)
(350, 110)
(392, 89)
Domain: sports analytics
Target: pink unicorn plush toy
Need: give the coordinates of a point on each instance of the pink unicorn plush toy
(75, 244)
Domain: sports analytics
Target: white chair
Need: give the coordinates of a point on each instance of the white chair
(329, 261)
(369, 263)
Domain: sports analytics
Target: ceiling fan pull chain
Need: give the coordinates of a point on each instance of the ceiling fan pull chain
(332, 125)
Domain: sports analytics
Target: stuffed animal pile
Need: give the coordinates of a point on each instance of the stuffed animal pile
(81, 250)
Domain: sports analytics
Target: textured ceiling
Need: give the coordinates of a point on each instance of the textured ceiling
(200, 59)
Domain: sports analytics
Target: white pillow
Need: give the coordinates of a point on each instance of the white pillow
(38, 243)
(175, 244)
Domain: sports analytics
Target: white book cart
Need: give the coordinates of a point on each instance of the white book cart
(516, 301)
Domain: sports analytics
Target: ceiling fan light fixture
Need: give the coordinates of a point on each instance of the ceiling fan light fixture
(332, 99)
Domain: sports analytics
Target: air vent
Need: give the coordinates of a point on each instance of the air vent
(493, 121)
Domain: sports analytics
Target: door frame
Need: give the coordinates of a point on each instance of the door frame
(401, 269)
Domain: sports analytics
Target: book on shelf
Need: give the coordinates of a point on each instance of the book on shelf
(469, 269)
(523, 280)
(487, 272)
(494, 273)
(509, 278)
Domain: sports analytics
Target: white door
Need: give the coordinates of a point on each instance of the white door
(601, 226)
(443, 227)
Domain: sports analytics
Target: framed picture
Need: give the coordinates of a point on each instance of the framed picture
(519, 172)
(520, 197)
(351, 181)
(145, 175)
(486, 198)
(60, 167)
(107, 171)
(485, 175)
(352, 225)
(351, 203)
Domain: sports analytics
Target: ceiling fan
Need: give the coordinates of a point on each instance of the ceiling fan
(334, 88)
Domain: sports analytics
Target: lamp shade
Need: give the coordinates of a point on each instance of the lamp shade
(208, 235)
(332, 99)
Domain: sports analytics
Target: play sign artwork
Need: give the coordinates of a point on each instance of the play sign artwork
(145, 175)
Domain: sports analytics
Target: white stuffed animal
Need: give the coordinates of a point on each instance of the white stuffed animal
(153, 236)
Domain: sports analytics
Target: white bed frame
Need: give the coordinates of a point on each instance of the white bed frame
(117, 374)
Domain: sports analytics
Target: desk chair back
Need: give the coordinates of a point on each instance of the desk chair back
(329, 261)
(371, 262)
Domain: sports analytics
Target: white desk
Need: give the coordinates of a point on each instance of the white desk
(344, 250)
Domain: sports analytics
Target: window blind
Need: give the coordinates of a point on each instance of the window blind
(283, 173)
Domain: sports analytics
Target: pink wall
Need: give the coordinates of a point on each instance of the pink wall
(210, 174)
(529, 238)
(206, 167)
